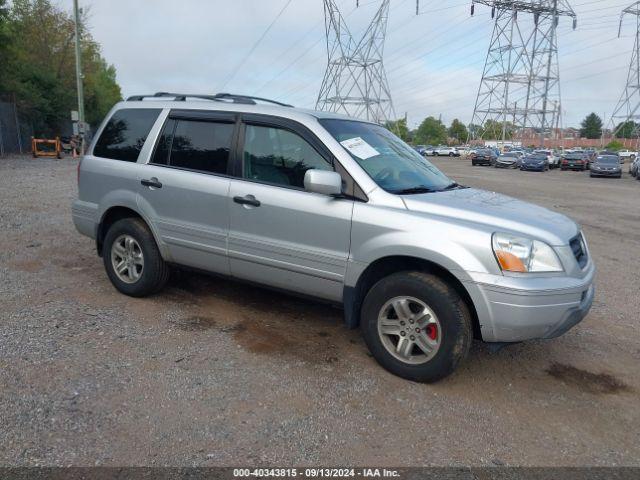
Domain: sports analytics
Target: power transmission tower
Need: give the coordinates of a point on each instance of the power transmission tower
(355, 82)
(520, 86)
(628, 108)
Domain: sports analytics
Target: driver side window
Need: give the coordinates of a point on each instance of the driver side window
(278, 156)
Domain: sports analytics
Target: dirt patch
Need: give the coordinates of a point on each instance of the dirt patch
(596, 383)
(298, 342)
(196, 323)
(30, 266)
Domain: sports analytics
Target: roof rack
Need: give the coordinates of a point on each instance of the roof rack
(219, 97)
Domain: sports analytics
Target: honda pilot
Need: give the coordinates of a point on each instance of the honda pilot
(331, 207)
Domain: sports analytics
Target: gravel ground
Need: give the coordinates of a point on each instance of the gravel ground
(213, 372)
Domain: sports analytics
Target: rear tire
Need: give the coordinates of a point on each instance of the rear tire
(129, 244)
(436, 334)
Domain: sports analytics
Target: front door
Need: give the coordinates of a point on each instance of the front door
(280, 234)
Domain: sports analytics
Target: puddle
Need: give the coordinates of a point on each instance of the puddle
(596, 383)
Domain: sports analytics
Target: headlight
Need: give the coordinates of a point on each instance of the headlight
(518, 254)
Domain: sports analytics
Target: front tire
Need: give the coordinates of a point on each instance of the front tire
(416, 326)
(132, 259)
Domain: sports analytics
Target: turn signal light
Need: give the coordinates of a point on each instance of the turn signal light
(509, 262)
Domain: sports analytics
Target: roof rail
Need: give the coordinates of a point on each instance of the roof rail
(219, 97)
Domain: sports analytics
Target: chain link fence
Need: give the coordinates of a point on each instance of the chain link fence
(15, 135)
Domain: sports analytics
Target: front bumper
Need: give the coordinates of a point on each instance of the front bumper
(533, 168)
(605, 173)
(505, 165)
(515, 310)
(482, 161)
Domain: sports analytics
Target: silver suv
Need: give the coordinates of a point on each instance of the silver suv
(333, 208)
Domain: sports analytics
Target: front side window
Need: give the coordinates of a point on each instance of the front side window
(275, 155)
(391, 163)
(125, 133)
(195, 145)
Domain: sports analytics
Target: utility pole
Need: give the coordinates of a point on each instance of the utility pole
(521, 78)
(628, 106)
(79, 77)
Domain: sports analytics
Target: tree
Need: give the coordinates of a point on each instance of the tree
(40, 67)
(591, 127)
(475, 131)
(493, 130)
(615, 146)
(5, 40)
(399, 127)
(458, 131)
(627, 129)
(431, 132)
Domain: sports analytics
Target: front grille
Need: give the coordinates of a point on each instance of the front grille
(579, 250)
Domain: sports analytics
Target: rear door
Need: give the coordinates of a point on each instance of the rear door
(280, 234)
(184, 188)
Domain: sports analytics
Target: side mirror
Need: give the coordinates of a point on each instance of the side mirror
(323, 181)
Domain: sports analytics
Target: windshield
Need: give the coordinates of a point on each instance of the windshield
(391, 163)
(609, 159)
(536, 158)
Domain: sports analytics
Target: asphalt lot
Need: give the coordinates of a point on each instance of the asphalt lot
(213, 372)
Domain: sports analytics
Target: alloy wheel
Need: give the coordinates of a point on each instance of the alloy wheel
(127, 258)
(409, 330)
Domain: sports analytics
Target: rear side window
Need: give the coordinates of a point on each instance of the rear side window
(200, 145)
(125, 133)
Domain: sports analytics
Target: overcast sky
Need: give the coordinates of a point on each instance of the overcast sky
(434, 60)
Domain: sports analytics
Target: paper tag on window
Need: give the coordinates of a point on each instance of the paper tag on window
(359, 148)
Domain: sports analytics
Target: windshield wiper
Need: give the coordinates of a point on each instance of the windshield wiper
(452, 186)
(409, 191)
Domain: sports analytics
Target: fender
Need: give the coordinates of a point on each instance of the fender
(129, 200)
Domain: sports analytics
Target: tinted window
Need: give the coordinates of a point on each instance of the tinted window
(279, 156)
(609, 159)
(161, 155)
(201, 145)
(124, 135)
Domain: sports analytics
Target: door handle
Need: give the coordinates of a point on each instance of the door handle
(152, 182)
(248, 200)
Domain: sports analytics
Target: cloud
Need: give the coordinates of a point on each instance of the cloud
(434, 61)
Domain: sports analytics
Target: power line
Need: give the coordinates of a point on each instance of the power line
(254, 47)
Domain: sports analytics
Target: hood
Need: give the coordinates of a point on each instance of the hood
(497, 211)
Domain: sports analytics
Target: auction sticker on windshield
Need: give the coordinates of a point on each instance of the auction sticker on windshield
(358, 147)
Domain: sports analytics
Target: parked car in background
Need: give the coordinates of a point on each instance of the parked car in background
(484, 156)
(553, 160)
(331, 207)
(591, 157)
(627, 155)
(506, 160)
(574, 161)
(537, 162)
(447, 152)
(421, 149)
(607, 166)
(633, 167)
(429, 150)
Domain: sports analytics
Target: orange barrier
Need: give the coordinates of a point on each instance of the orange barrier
(41, 147)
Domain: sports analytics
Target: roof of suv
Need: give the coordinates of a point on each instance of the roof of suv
(226, 102)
